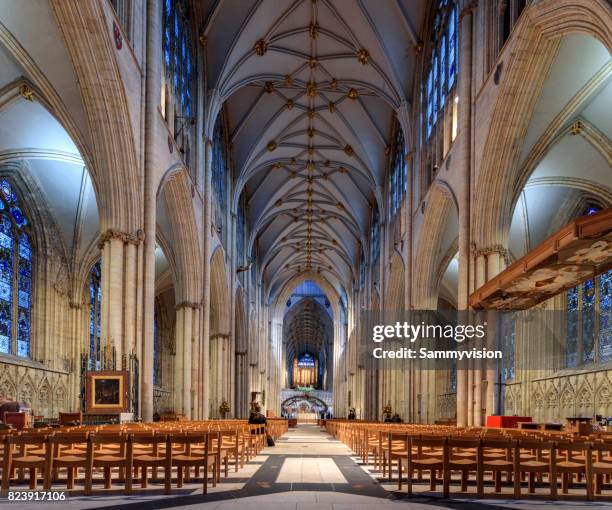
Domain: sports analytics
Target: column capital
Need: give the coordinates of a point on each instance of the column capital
(124, 236)
(188, 304)
(219, 335)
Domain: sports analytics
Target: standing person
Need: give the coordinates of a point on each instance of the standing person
(352, 414)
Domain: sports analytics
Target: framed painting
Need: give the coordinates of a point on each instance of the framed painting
(107, 392)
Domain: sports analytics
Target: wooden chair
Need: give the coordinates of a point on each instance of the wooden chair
(397, 449)
(194, 456)
(541, 459)
(600, 466)
(22, 458)
(232, 443)
(498, 456)
(70, 419)
(465, 456)
(571, 459)
(110, 450)
(426, 462)
(152, 450)
(70, 450)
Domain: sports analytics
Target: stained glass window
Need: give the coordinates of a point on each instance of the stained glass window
(508, 335)
(605, 316)
(589, 322)
(397, 176)
(178, 54)
(95, 302)
(375, 236)
(15, 275)
(442, 68)
(219, 176)
(572, 328)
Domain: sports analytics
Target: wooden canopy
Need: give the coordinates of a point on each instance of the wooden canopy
(579, 251)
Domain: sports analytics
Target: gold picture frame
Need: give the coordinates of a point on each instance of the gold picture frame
(107, 392)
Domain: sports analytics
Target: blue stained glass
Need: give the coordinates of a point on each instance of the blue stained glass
(605, 316)
(5, 291)
(7, 190)
(95, 300)
(435, 91)
(442, 69)
(588, 321)
(18, 216)
(2, 206)
(24, 299)
(23, 333)
(25, 249)
(452, 47)
(5, 344)
(572, 328)
(509, 345)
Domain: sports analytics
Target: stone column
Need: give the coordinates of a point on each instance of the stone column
(219, 370)
(464, 168)
(153, 95)
(205, 328)
(196, 372)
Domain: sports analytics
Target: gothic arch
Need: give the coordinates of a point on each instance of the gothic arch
(104, 98)
(536, 41)
(185, 246)
(439, 206)
(219, 295)
(394, 299)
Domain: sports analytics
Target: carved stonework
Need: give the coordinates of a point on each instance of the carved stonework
(44, 392)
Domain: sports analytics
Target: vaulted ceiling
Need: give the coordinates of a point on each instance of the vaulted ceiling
(310, 89)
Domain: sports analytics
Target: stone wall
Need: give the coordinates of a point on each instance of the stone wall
(46, 392)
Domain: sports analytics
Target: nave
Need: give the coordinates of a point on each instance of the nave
(208, 207)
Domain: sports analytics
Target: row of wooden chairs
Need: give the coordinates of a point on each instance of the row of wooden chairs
(128, 452)
(473, 453)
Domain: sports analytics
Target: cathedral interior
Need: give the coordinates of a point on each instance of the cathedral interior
(204, 204)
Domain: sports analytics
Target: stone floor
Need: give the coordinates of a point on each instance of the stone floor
(306, 470)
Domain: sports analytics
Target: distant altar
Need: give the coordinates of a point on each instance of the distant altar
(304, 417)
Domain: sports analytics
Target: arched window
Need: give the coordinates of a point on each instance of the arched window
(589, 322)
(178, 53)
(15, 275)
(397, 175)
(220, 169)
(95, 303)
(442, 68)
(179, 78)
(375, 236)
